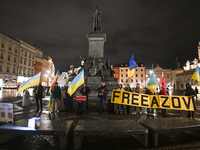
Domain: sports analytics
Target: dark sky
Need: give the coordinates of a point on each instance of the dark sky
(155, 31)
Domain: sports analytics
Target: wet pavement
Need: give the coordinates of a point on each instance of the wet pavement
(170, 140)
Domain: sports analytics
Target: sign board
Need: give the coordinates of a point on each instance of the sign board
(152, 101)
(6, 112)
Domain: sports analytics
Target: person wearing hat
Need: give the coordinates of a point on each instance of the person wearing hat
(56, 91)
(163, 92)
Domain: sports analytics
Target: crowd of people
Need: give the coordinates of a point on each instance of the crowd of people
(102, 90)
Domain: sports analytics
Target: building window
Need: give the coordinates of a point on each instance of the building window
(8, 69)
(33, 56)
(135, 69)
(24, 61)
(1, 67)
(141, 69)
(8, 57)
(22, 51)
(126, 70)
(33, 63)
(29, 63)
(30, 55)
(35, 69)
(28, 72)
(20, 71)
(121, 75)
(3, 45)
(32, 72)
(136, 75)
(25, 53)
(15, 49)
(1, 55)
(141, 80)
(15, 59)
(121, 70)
(20, 60)
(10, 47)
(131, 80)
(136, 81)
(126, 80)
(126, 75)
(13, 69)
(38, 69)
(24, 72)
(122, 80)
(141, 75)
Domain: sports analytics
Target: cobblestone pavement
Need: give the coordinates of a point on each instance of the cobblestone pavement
(173, 140)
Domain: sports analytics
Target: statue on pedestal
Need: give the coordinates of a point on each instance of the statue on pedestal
(97, 20)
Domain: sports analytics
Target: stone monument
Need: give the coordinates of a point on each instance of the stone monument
(96, 67)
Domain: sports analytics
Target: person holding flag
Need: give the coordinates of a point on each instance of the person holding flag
(49, 91)
(38, 90)
(56, 93)
(163, 92)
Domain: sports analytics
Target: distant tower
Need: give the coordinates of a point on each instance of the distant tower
(199, 50)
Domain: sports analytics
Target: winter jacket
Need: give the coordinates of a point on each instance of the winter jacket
(102, 94)
(56, 92)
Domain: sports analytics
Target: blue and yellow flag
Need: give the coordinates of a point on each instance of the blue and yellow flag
(132, 66)
(35, 80)
(196, 74)
(78, 81)
(151, 85)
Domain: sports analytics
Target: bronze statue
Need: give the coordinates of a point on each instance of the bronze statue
(97, 67)
(97, 20)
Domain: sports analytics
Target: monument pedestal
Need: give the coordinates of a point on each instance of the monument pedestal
(96, 44)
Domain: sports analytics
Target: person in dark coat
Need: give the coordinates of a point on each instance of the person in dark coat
(56, 91)
(190, 92)
(68, 101)
(38, 90)
(85, 90)
(128, 88)
(102, 95)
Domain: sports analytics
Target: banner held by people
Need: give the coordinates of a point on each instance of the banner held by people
(152, 101)
(33, 81)
(78, 81)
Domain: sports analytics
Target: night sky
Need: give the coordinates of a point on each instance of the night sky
(155, 31)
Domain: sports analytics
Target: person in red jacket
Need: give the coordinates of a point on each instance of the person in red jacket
(163, 92)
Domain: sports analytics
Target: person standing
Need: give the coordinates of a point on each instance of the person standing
(102, 95)
(38, 90)
(140, 91)
(85, 90)
(196, 92)
(56, 91)
(68, 100)
(190, 92)
(120, 105)
(128, 88)
(163, 92)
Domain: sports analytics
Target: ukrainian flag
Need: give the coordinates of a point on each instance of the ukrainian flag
(132, 66)
(151, 85)
(35, 80)
(196, 74)
(78, 81)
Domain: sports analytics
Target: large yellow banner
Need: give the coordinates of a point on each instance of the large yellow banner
(152, 101)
